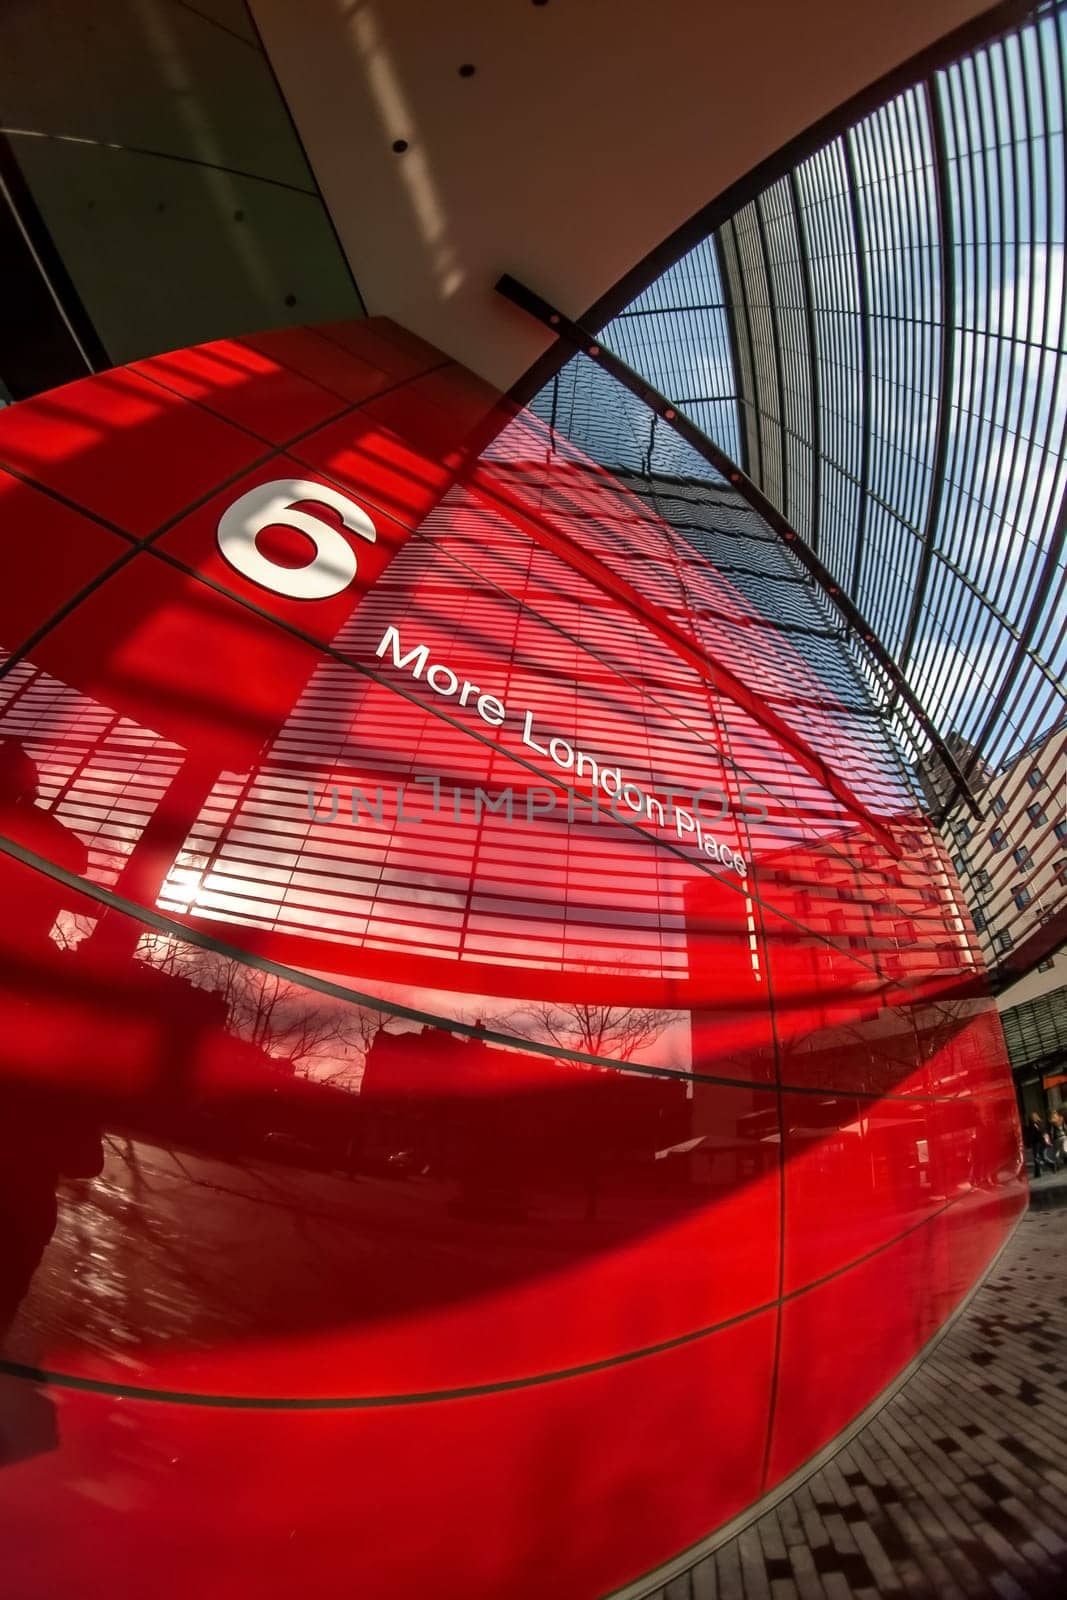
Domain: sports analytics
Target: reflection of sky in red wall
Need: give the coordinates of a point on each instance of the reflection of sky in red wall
(430, 1102)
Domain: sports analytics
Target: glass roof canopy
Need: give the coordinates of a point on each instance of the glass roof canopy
(879, 340)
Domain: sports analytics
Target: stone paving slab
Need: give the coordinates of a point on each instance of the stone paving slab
(957, 1488)
(1048, 1190)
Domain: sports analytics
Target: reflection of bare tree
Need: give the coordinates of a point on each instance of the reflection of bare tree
(321, 1036)
(620, 1032)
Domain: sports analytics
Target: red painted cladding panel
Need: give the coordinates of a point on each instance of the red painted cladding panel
(50, 552)
(441, 1078)
(126, 450)
(467, 1496)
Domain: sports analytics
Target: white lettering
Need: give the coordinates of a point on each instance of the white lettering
(586, 765)
(332, 567)
(450, 684)
(390, 640)
(491, 710)
(527, 735)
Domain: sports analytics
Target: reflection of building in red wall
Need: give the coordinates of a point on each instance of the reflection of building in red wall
(546, 1145)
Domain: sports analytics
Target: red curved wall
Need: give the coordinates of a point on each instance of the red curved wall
(474, 1193)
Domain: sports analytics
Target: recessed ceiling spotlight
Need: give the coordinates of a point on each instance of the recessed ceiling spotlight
(594, 350)
(467, 70)
(399, 146)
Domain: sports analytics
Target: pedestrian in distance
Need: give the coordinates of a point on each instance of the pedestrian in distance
(1039, 1141)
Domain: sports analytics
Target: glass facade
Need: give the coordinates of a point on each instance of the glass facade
(877, 338)
(482, 1009)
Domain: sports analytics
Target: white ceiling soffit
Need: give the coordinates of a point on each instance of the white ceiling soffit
(589, 130)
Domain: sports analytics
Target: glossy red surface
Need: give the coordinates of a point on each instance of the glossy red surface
(420, 1179)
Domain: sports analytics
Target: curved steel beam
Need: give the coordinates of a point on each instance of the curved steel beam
(576, 338)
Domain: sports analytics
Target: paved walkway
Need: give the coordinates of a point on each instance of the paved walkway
(957, 1489)
(1048, 1190)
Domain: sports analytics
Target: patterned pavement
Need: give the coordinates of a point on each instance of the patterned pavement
(957, 1488)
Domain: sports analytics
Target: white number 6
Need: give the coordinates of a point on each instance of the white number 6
(333, 565)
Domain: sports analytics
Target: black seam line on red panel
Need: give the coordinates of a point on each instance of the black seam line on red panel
(815, 764)
(772, 1013)
(656, 1580)
(17, 656)
(347, 408)
(476, 1391)
(382, 335)
(420, 534)
(348, 405)
(581, 340)
(338, 655)
(159, 155)
(742, 889)
(186, 934)
(63, 499)
(328, 651)
(135, 546)
(272, 453)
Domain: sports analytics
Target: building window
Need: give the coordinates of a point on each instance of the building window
(996, 838)
(1061, 871)
(1060, 830)
(1036, 813)
(981, 921)
(1035, 777)
(1002, 942)
(1046, 966)
(1021, 896)
(1022, 858)
(1000, 805)
(963, 831)
(982, 880)
(960, 864)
